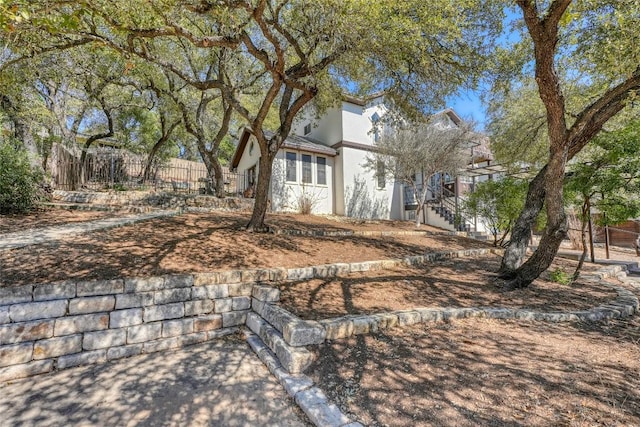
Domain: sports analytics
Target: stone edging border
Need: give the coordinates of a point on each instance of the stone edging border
(314, 402)
(378, 233)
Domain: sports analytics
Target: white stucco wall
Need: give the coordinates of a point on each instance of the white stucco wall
(361, 197)
(356, 121)
(285, 195)
(326, 130)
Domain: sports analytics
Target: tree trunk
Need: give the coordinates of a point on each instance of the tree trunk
(556, 229)
(520, 234)
(218, 176)
(583, 234)
(256, 223)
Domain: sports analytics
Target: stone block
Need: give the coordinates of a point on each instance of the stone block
(211, 292)
(266, 293)
(428, 315)
(143, 333)
(234, 318)
(207, 323)
(143, 284)
(240, 303)
(223, 305)
(16, 295)
(37, 310)
(26, 331)
(104, 339)
(174, 328)
(337, 328)
(171, 295)
(240, 289)
(311, 397)
(100, 287)
(325, 415)
(409, 317)
(300, 333)
(176, 281)
(197, 307)
(92, 304)
(499, 313)
(229, 276)
(70, 325)
(25, 370)
(325, 271)
(293, 359)
(258, 306)
(361, 325)
(293, 384)
(219, 333)
(277, 274)
(124, 351)
(163, 312)
(161, 344)
(54, 291)
(356, 267)
(15, 354)
(137, 300)
(4, 315)
(255, 275)
(125, 318)
(302, 273)
(191, 339)
(59, 346)
(84, 358)
(205, 279)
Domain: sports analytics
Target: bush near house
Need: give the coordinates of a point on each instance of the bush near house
(19, 181)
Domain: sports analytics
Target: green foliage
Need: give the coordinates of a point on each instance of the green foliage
(18, 180)
(560, 276)
(607, 174)
(497, 204)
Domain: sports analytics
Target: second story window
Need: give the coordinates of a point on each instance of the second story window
(307, 129)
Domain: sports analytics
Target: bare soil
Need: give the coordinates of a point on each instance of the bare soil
(464, 372)
(462, 282)
(46, 217)
(200, 242)
(487, 372)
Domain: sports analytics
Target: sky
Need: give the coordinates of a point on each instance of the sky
(467, 103)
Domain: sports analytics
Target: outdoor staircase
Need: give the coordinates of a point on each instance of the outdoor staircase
(450, 217)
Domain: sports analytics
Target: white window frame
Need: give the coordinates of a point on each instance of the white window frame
(325, 171)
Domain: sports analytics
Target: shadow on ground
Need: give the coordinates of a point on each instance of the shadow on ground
(219, 383)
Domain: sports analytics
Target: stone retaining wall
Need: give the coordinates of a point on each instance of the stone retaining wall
(55, 326)
(164, 200)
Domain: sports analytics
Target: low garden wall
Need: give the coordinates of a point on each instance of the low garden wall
(55, 326)
(164, 200)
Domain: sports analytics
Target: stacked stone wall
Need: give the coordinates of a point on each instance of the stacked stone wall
(55, 326)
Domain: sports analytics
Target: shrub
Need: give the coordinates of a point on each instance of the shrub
(19, 181)
(560, 276)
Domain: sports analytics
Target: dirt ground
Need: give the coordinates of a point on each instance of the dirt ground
(199, 242)
(462, 282)
(487, 372)
(46, 217)
(464, 372)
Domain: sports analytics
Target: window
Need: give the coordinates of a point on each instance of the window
(382, 182)
(321, 171)
(292, 173)
(307, 129)
(307, 177)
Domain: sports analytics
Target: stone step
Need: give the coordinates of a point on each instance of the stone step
(294, 359)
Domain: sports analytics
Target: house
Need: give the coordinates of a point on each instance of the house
(323, 160)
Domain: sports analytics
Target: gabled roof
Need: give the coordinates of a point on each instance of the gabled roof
(292, 142)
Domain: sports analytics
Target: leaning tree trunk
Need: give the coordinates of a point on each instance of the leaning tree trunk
(256, 223)
(218, 175)
(555, 231)
(214, 169)
(521, 233)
